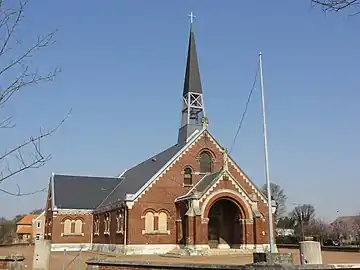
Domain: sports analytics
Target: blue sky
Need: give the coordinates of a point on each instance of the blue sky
(122, 73)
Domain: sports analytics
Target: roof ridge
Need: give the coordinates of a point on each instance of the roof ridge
(113, 190)
(84, 176)
(196, 134)
(158, 153)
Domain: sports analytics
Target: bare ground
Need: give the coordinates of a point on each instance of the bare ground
(71, 259)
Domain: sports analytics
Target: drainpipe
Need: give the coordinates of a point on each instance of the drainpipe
(92, 230)
(125, 226)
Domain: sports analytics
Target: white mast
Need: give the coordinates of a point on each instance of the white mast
(270, 215)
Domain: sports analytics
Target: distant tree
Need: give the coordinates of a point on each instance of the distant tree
(304, 212)
(7, 231)
(285, 223)
(340, 229)
(36, 211)
(338, 5)
(18, 217)
(18, 74)
(319, 229)
(278, 194)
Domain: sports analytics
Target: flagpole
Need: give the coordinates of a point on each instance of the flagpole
(270, 215)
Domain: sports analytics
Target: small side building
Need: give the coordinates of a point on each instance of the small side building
(38, 227)
(70, 203)
(24, 229)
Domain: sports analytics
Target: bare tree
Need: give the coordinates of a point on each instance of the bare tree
(17, 74)
(278, 194)
(303, 214)
(318, 228)
(337, 5)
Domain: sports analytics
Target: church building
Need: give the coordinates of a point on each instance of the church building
(191, 196)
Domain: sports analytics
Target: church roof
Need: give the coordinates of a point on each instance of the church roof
(136, 177)
(202, 186)
(192, 81)
(81, 192)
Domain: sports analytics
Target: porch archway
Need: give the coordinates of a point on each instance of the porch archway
(225, 227)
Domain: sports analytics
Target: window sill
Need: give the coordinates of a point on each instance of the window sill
(156, 232)
(72, 234)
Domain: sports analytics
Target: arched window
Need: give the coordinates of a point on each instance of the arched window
(67, 227)
(78, 226)
(120, 221)
(107, 222)
(205, 162)
(96, 225)
(149, 222)
(162, 222)
(187, 176)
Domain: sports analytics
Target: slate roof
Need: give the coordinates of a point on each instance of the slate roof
(202, 186)
(192, 81)
(206, 182)
(81, 192)
(136, 177)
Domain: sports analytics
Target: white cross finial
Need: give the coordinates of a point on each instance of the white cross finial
(192, 17)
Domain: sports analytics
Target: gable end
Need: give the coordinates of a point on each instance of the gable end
(191, 141)
(247, 180)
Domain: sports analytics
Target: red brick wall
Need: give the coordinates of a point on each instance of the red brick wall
(163, 194)
(58, 229)
(168, 187)
(113, 238)
(48, 214)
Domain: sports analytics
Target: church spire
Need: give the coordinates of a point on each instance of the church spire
(193, 111)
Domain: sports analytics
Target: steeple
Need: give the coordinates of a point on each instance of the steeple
(193, 111)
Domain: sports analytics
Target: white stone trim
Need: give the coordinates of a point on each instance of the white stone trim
(42, 213)
(237, 186)
(52, 186)
(135, 249)
(190, 190)
(232, 162)
(152, 249)
(197, 135)
(70, 247)
(223, 246)
(212, 194)
(74, 212)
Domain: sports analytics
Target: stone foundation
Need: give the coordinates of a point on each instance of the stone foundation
(71, 247)
(189, 250)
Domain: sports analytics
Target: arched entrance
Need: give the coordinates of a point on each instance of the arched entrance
(224, 227)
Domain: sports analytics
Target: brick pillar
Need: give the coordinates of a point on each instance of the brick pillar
(178, 230)
(190, 230)
(255, 233)
(198, 234)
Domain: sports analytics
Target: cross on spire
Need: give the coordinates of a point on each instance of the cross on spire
(192, 17)
(193, 110)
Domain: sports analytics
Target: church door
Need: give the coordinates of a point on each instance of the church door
(224, 228)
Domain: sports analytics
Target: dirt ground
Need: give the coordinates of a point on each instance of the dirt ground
(71, 259)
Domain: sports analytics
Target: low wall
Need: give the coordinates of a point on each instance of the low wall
(11, 262)
(324, 248)
(98, 264)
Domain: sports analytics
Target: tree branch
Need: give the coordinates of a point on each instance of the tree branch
(16, 75)
(337, 5)
(37, 158)
(19, 194)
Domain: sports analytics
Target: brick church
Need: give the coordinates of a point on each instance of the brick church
(192, 195)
